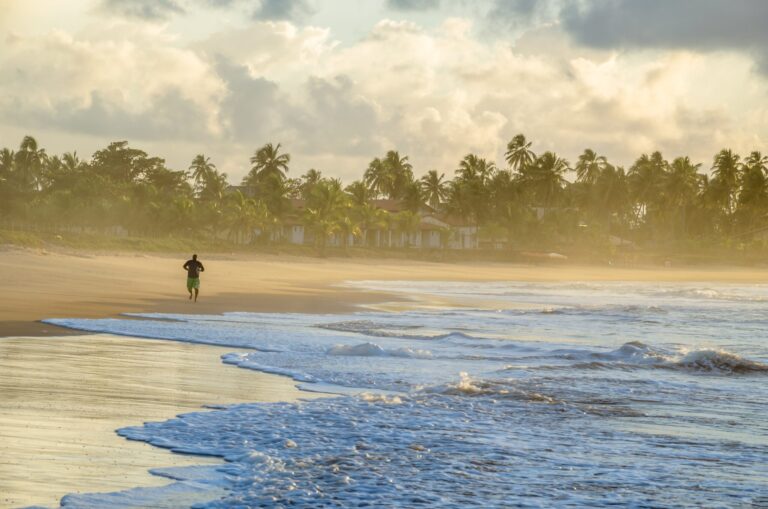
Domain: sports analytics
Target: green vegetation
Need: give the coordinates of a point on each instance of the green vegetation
(656, 208)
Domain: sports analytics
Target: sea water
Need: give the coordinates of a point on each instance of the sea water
(506, 395)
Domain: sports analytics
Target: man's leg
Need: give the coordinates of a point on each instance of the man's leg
(196, 292)
(189, 288)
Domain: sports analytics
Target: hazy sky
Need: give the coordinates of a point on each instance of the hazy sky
(338, 82)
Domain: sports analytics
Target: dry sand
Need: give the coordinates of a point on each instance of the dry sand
(62, 397)
(38, 285)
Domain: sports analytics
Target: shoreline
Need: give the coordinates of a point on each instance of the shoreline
(65, 397)
(86, 285)
(59, 286)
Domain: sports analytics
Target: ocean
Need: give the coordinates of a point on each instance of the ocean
(480, 395)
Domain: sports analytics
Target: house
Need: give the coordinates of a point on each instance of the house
(428, 230)
(246, 191)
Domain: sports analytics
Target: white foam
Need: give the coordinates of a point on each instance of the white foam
(499, 401)
(374, 350)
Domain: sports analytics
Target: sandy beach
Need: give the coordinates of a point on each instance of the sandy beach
(41, 284)
(64, 397)
(61, 401)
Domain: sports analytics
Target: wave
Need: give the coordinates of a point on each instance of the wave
(374, 350)
(630, 309)
(711, 294)
(387, 330)
(467, 386)
(509, 390)
(720, 361)
(243, 361)
(636, 354)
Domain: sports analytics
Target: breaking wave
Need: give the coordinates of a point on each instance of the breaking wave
(720, 361)
(374, 350)
(635, 354)
(527, 406)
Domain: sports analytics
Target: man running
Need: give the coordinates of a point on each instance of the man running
(193, 268)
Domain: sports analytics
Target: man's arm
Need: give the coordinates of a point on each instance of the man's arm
(202, 269)
(185, 266)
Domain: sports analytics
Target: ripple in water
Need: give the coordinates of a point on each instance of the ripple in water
(593, 406)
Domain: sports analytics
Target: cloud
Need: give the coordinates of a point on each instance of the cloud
(151, 10)
(516, 11)
(522, 14)
(275, 50)
(336, 106)
(131, 85)
(162, 10)
(336, 118)
(413, 5)
(701, 25)
(252, 108)
(171, 117)
(283, 10)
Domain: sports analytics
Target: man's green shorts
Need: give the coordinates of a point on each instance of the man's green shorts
(193, 282)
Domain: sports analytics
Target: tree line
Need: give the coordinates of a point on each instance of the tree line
(527, 199)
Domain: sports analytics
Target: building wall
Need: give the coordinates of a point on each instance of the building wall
(296, 234)
(463, 237)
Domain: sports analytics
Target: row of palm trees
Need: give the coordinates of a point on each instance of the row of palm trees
(530, 199)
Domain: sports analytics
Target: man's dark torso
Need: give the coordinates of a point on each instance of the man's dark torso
(193, 268)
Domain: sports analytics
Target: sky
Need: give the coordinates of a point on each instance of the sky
(339, 82)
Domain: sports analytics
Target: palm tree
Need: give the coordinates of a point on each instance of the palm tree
(474, 168)
(308, 181)
(412, 198)
(753, 197)
(682, 181)
(29, 161)
(519, 154)
(727, 169)
(244, 215)
(646, 179)
(546, 177)
(71, 162)
(370, 218)
(377, 177)
(6, 170)
(349, 226)
(470, 193)
(611, 193)
(389, 176)
(756, 160)
(461, 200)
(359, 193)
(401, 173)
(312, 176)
(681, 186)
(327, 206)
(267, 162)
(589, 166)
(202, 168)
(434, 188)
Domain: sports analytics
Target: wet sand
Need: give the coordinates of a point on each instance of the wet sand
(62, 398)
(39, 284)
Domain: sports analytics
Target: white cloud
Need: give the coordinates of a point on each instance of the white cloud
(434, 94)
(121, 68)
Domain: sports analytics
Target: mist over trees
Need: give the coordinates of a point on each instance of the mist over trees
(531, 201)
